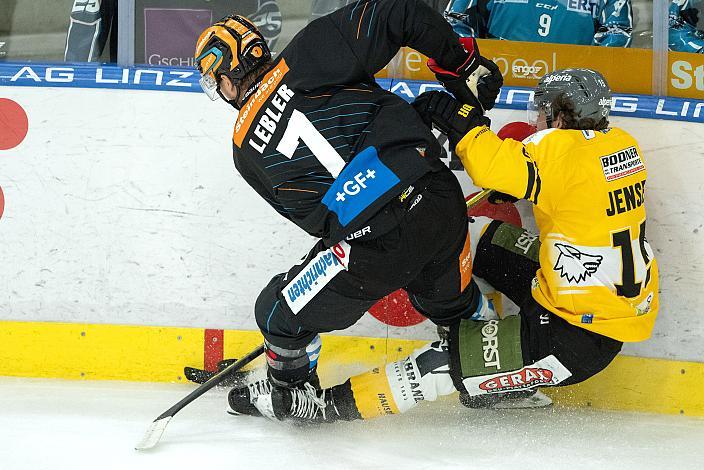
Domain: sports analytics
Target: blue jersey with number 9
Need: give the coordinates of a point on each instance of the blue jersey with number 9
(597, 22)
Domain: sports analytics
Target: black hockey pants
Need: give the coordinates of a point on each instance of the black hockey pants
(505, 259)
(426, 253)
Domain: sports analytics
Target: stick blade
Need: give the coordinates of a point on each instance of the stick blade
(153, 434)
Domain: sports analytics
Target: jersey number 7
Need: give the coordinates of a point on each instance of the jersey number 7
(299, 127)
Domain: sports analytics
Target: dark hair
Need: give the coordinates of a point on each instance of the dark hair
(564, 107)
(251, 77)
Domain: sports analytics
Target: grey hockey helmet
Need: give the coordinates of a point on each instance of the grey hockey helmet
(585, 88)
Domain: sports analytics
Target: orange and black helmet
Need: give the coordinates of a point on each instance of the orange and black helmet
(233, 47)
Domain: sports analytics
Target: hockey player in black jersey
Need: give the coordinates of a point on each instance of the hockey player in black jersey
(351, 164)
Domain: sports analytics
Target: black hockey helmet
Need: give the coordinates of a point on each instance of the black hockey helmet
(233, 47)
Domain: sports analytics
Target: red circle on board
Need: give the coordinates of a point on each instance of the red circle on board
(13, 124)
(2, 202)
(516, 130)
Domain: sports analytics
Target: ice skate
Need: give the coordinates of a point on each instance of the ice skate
(302, 405)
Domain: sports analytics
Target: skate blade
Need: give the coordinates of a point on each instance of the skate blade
(538, 400)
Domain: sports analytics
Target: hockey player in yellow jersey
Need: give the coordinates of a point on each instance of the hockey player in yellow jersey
(587, 183)
(584, 285)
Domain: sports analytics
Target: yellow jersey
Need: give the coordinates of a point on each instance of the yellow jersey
(597, 270)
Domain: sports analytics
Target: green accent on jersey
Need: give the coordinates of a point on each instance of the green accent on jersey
(517, 240)
(489, 347)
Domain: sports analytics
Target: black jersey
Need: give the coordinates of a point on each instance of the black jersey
(319, 139)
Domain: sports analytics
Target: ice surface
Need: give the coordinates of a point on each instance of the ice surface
(54, 424)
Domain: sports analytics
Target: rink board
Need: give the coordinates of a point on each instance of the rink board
(141, 353)
(122, 207)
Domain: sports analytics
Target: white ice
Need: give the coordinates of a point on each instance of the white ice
(55, 424)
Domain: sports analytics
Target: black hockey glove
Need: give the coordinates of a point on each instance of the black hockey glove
(489, 85)
(451, 117)
(495, 197)
(477, 81)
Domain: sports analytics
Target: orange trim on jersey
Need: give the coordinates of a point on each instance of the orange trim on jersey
(465, 264)
(359, 26)
(250, 109)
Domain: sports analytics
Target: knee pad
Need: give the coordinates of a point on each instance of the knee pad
(505, 236)
(486, 357)
(293, 367)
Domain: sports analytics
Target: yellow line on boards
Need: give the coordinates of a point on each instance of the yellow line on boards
(158, 354)
(640, 384)
(98, 352)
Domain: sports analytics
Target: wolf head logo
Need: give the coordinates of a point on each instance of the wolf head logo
(574, 265)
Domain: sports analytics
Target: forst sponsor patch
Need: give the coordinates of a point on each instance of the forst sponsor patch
(488, 347)
(621, 164)
(315, 275)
